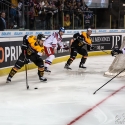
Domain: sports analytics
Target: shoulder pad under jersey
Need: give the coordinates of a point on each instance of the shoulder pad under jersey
(32, 39)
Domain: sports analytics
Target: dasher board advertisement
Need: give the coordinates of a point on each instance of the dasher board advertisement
(10, 50)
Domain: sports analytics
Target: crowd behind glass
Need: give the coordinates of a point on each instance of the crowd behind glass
(48, 15)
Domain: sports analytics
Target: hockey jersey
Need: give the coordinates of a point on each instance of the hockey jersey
(32, 40)
(79, 40)
(86, 38)
(53, 40)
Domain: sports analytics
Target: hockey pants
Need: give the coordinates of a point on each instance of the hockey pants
(73, 55)
(21, 62)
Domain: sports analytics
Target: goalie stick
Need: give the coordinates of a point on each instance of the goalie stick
(108, 81)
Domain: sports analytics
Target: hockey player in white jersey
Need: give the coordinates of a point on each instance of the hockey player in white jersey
(50, 45)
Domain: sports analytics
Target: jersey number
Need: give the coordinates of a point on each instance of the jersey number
(80, 44)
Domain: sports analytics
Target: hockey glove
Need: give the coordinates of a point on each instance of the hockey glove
(25, 43)
(39, 56)
(66, 47)
(58, 48)
(26, 60)
(24, 47)
(93, 48)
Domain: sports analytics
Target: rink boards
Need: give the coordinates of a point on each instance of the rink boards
(10, 49)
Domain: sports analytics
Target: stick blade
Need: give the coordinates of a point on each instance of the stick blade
(27, 87)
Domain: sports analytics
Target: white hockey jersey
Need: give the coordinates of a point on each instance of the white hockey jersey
(53, 40)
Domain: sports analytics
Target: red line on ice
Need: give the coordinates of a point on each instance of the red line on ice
(89, 110)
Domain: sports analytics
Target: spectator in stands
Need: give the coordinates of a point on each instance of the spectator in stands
(21, 21)
(88, 18)
(42, 13)
(13, 16)
(31, 15)
(43, 3)
(49, 17)
(67, 21)
(76, 17)
(2, 21)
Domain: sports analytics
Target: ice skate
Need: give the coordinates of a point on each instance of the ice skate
(42, 79)
(82, 66)
(46, 70)
(67, 67)
(8, 80)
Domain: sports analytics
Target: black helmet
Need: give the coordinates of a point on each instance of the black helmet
(41, 37)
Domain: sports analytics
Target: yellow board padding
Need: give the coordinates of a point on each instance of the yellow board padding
(6, 71)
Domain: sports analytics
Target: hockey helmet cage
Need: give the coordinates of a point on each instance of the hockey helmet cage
(41, 37)
(62, 29)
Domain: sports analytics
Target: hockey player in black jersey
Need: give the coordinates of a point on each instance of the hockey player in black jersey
(32, 49)
(80, 43)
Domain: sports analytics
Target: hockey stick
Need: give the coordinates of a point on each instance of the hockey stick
(108, 81)
(97, 49)
(27, 86)
(103, 51)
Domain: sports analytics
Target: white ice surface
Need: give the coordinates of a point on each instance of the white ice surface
(65, 96)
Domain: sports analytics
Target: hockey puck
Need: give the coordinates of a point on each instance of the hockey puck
(36, 88)
(27, 87)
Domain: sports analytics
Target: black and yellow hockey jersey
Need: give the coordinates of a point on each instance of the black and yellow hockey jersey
(79, 38)
(33, 46)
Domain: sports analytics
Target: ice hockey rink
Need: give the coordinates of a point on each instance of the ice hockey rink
(66, 98)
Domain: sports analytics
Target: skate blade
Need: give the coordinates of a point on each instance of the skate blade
(67, 68)
(8, 81)
(48, 73)
(43, 81)
(82, 69)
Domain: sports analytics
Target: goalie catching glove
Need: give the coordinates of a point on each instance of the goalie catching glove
(116, 52)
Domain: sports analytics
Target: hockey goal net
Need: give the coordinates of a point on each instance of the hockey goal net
(118, 64)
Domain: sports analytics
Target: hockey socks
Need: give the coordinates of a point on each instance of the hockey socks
(41, 73)
(83, 60)
(11, 74)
